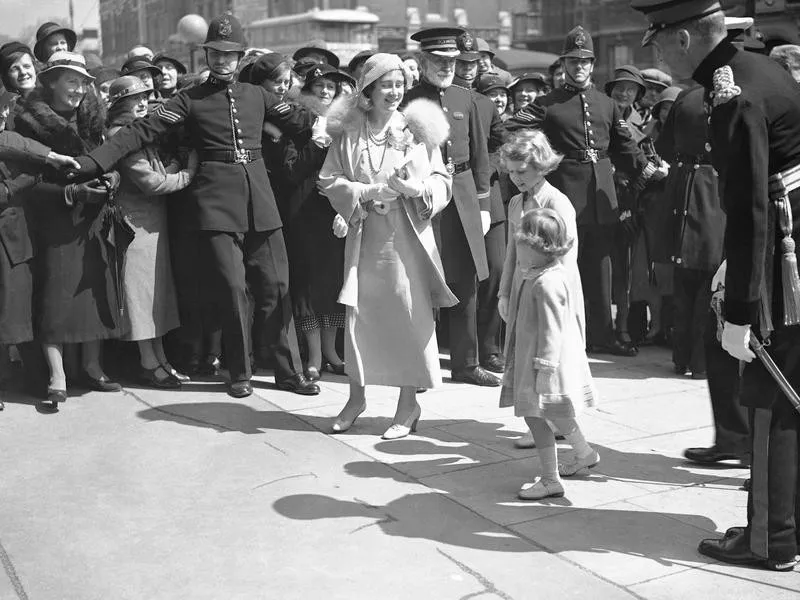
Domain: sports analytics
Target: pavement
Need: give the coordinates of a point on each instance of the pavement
(148, 494)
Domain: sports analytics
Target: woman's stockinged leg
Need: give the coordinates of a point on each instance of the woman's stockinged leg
(91, 359)
(313, 341)
(147, 354)
(407, 406)
(55, 361)
(585, 456)
(356, 404)
(329, 352)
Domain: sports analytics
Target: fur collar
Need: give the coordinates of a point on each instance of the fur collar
(34, 118)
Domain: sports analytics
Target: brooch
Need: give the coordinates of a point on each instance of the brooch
(724, 87)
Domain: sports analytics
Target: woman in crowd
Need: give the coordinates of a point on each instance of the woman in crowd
(528, 157)
(387, 186)
(151, 307)
(17, 68)
(75, 289)
(171, 68)
(103, 78)
(316, 255)
(141, 67)
(526, 88)
(16, 246)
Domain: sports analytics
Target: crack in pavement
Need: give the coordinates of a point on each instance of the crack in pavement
(314, 475)
(488, 586)
(8, 567)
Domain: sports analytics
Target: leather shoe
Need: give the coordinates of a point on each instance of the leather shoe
(476, 376)
(495, 363)
(616, 348)
(734, 549)
(104, 384)
(298, 384)
(712, 455)
(150, 378)
(240, 389)
(208, 367)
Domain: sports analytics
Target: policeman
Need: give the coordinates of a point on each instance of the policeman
(230, 202)
(466, 219)
(754, 117)
(467, 67)
(586, 127)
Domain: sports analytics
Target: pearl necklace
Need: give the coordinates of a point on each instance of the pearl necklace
(378, 140)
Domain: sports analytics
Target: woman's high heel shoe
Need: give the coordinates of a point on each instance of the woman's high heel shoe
(341, 425)
(401, 430)
(332, 368)
(182, 377)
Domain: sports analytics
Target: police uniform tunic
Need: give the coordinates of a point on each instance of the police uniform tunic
(755, 133)
(460, 231)
(231, 203)
(586, 127)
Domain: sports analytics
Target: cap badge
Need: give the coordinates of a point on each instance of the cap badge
(580, 39)
(467, 41)
(316, 73)
(225, 29)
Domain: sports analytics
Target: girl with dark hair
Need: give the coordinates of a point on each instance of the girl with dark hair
(75, 295)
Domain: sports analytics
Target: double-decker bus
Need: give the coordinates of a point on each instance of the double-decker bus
(344, 32)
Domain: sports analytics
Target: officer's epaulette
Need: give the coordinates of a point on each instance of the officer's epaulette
(725, 89)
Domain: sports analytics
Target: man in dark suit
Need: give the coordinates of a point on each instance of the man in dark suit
(753, 113)
(464, 222)
(586, 126)
(489, 321)
(230, 202)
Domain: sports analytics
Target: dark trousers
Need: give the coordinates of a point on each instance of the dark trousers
(256, 261)
(200, 332)
(692, 296)
(731, 424)
(489, 320)
(773, 509)
(595, 245)
(463, 327)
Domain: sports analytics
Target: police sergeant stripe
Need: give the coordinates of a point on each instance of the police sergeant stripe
(281, 108)
(168, 115)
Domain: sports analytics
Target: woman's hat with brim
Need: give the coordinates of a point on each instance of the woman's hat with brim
(126, 86)
(627, 73)
(139, 63)
(331, 58)
(377, 66)
(483, 46)
(48, 29)
(536, 78)
(161, 57)
(359, 59)
(64, 60)
(491, 81)
(668, 95)
(103, 74)
(327, 72)
(265, 67)
(225, 34)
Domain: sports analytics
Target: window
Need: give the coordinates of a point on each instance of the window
(437, 7)
(621, 55)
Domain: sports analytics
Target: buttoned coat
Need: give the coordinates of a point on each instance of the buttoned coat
(580, 120)
(467, 143)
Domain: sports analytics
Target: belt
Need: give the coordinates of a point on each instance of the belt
(699, 159)
(586, 155)
(231, 156)
(784, 183)
(456, 168)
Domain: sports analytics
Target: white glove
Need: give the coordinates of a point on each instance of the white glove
(378, 192)
(736, 341)
(319, 134)
(486, 221)
(502, 307)
(719, 277)
(400, 182)
(339, 226)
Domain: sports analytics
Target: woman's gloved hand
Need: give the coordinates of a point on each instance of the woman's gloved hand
(90, 192)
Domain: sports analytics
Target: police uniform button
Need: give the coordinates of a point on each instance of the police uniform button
(678, 261)
(234, 110)
(696, 167)
(444, 108)
(240, 142)
(449, 142)
(236, 120)
(708, 147)
(680, 164)
(672, 258)
(239, 131)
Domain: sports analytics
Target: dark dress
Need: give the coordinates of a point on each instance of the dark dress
(16, 246)
(74, 291)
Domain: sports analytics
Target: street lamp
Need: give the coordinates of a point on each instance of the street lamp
(192, 29)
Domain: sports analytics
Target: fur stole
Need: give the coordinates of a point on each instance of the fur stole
(422, 119)
(34, 118)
